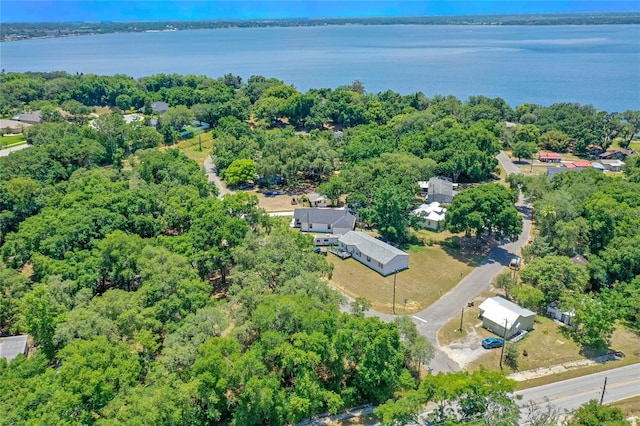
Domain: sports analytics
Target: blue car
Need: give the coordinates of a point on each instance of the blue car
(492, 342)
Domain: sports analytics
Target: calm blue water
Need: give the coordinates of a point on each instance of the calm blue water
(598, 65)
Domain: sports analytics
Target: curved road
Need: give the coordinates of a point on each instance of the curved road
(212, 176)
(7, 151)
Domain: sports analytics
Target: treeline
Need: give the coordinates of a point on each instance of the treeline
(586, 254)
(20, 31)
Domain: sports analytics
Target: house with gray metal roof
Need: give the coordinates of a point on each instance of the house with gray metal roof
(12, 346)
(440, 190)
(333, 221)
(376, 254)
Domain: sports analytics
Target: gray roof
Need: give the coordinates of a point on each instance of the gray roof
(372, 247)
(11, 347)
(160, 106)
(440, 186)
(31, 117)
(338, 218)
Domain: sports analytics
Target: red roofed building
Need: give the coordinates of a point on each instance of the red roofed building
(549, 157)
(578, 164)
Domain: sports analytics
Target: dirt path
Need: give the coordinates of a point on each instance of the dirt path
(212, 176)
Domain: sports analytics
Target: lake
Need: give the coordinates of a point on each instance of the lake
(597, 65)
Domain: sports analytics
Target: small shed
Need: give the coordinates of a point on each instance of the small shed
(12, 346)
(555, 311)
(505, 318)
(326, 239)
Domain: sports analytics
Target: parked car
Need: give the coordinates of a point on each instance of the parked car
(492, 342)
(320, 250)
(273, 193)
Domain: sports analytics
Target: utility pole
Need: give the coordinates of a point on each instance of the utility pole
(200, 142)
(394, 291)
(461, 316)
(604, 389)
(504, 342)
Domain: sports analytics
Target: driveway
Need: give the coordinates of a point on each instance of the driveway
(212, 176)
(449, 306)
(507, 163)
(7, 151)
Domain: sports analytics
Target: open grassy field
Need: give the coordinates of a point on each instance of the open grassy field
(432, 272)
(191, 147)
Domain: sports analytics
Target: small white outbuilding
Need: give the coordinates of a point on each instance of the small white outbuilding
(505, 318)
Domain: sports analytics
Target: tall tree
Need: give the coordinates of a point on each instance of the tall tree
(484, 210)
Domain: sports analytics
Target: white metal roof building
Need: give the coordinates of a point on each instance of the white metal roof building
(497, 312)
(375, 254)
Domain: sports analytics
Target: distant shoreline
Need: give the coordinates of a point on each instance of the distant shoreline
(41, 30)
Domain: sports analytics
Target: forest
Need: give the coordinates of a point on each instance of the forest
(26, 30)
(152, 301)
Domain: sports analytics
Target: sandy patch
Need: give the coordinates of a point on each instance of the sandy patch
(466, 350)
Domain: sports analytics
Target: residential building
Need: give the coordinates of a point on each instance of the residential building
(505, 318)
(12, 346)
(431, 215)
(317, 200)
(549, 157)
(34, 117)
(377, 255)
(441, 190)
(616, 154)
(326, 239)
(612, 165)
(159, 107)
(332, 221)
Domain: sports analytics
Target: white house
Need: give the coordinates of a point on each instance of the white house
(441, 189)
(376, 254)
(333, 221)
(431, 215)
(496, 313)
(12, 346)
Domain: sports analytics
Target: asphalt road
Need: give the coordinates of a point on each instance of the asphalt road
(567, 395)
(7, 151)
(507, 164)
(212, 176)
(449, 306)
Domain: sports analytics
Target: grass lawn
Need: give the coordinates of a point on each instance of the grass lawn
(13, 140)
(190, 147)
(432, 272)
(630, 406)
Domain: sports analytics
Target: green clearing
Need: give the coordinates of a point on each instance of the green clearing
(433, 271)
(191, 147)
(11, 141)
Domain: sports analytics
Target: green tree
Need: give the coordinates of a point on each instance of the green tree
(554, 276)
(484, 210)
(391, 205)
(177, 117)
(555, 140)
(594, 414)
(506, 281)
(524, 150)
(38, 315)
(239, 171)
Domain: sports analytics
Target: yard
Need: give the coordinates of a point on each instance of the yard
(545, 346)
(191, 147)
(11, 141)
(432, 272)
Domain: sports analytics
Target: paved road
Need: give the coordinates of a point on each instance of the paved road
(623, 382)
(212, 176)
(449, 306)
(507, 164)
(7, 151)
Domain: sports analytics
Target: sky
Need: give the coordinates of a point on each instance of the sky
(146, 10)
